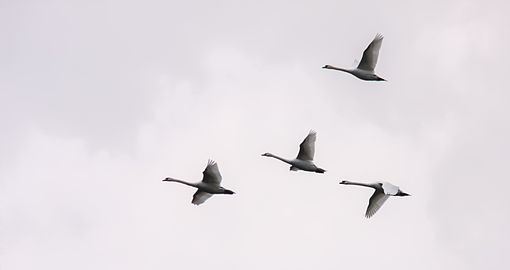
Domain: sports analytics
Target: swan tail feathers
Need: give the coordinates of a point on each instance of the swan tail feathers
(319, 170)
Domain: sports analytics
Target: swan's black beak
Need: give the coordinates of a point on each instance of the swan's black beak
(403, 194)
(326, 66)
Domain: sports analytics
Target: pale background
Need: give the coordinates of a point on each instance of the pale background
(100, 100)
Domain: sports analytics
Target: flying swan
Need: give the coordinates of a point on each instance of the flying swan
(209, 185)
(304, 159)
(366, 67)
(383, 190)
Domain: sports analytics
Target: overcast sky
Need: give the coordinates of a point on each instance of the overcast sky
(101, 101)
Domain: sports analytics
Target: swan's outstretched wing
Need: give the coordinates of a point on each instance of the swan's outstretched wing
(376, 201)
(355, 63)
(212, 173)
(199, 197)
(389, 188)
(371, 53)
(307, 147)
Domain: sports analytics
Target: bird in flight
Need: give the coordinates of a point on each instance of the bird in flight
(383, 190)
(304, 159)
(209, 185)
(366, 67)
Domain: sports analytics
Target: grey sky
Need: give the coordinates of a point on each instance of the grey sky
(100, 101)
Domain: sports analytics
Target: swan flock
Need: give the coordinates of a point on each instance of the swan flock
(211, 180)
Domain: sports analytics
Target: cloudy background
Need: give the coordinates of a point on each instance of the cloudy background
(99, 101)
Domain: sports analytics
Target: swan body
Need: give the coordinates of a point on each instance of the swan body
(383, 190)
(366, 67)
(304, 160)
(209, 185)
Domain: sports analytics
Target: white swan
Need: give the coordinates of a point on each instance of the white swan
(209, 185)
(366, 67)
(304, 160)
(383, 190)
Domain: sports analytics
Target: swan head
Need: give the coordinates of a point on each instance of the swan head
(401, 193)
(326, 66)
(343, 182)
(266, 154)
(167, 179)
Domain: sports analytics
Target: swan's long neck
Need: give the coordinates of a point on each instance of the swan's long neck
(168, 179)
(346, 182)
(280, 158)
(337, 68)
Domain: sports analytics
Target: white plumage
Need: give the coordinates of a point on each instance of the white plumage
(366, 67)
(383, 190)
(209, 185)
(304, 159)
